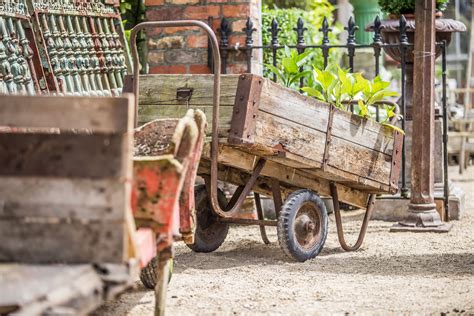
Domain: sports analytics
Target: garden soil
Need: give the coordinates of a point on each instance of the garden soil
(393, 273)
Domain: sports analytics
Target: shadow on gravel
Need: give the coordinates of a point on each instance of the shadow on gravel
(330, 260)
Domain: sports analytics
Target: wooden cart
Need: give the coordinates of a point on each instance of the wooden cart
(274, 141)
(167, 153)
(66, 227)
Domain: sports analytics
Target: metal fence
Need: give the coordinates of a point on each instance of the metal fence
(350, 47)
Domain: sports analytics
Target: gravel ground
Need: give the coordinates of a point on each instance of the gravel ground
(392, 273)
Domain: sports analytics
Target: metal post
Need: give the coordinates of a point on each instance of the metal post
(422, 208)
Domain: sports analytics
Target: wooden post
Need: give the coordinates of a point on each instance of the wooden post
(422, 214)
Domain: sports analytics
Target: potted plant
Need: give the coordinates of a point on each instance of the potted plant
(395, 8)
(401, 18)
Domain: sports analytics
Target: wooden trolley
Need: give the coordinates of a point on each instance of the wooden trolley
(274, 141)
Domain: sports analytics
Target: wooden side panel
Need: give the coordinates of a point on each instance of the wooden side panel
(103, 115)
(65, 191)
(292, 106)
(62, 155)
(159, 98)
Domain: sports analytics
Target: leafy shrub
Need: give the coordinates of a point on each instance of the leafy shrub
(398, 7)
(287, 20)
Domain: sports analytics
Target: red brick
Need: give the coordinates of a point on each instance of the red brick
(234, 39)
(175, 30)
(237, 69)
(174, 69)
(197, 41)
(236, 11)
(154, 2)
(199, 69)
(201, 12)
(179, 2)
(165, 13)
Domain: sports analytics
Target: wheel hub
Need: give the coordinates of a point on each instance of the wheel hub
(307, 228)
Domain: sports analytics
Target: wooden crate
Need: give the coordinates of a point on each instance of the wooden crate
(65, 179)
(306, 142)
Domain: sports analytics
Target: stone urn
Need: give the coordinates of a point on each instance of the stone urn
(390, 31)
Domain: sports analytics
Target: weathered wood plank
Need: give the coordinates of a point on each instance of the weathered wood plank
(359, 160)
(287, 136)
(62, 198)
(38, 289)
(367, 133)
(49, 240)
(147, 113)
(105, 115)
(162, 89)
(63, 155)
(293, 106)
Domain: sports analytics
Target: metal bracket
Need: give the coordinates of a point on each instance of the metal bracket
(184, 94)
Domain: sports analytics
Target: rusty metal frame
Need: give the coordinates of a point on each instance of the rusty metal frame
(332, 109)
(340, 229)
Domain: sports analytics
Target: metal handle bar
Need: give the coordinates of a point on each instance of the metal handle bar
(215, 100)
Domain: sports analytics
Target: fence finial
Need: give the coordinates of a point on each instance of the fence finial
(274, 30)
(249, 29)
(351, 28)
(300, 29)
(377, 30)
(225, 31)
(325, 29)
(403, 30)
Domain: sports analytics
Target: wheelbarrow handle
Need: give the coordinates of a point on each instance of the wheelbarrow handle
(216, 93)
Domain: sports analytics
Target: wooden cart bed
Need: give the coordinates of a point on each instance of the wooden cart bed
(306, 142)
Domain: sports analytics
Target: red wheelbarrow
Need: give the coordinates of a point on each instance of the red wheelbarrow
(167, 153)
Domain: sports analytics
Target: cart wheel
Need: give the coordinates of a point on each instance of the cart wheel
(302, 225)
(210, 233)
(148, 273)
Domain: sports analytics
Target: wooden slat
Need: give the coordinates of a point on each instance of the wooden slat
(147, 113)
(367, 133)
(38, 289)
(45, 240)
(62, 198)
(358, 160)
(161, 89)
(106, 115)
(63, 155)
(292, 106)
(276, 132)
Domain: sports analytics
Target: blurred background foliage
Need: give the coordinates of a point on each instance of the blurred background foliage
(286, 13)
(134, 12)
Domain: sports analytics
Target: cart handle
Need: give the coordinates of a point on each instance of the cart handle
(212, 191)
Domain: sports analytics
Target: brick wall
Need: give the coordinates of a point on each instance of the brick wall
(185, 50)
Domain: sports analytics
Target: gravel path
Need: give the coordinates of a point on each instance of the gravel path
(392, 273)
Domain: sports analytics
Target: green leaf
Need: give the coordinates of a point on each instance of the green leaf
(312, 92)
(398, 129)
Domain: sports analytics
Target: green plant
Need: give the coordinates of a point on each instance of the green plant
(338, 87)
(133, 12)
(398, 7)
(287, 20)
(289, 72)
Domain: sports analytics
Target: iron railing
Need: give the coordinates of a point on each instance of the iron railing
(351, 47)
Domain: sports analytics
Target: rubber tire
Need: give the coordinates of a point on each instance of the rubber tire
(211, 237)
(285, 229)
(148, 274)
